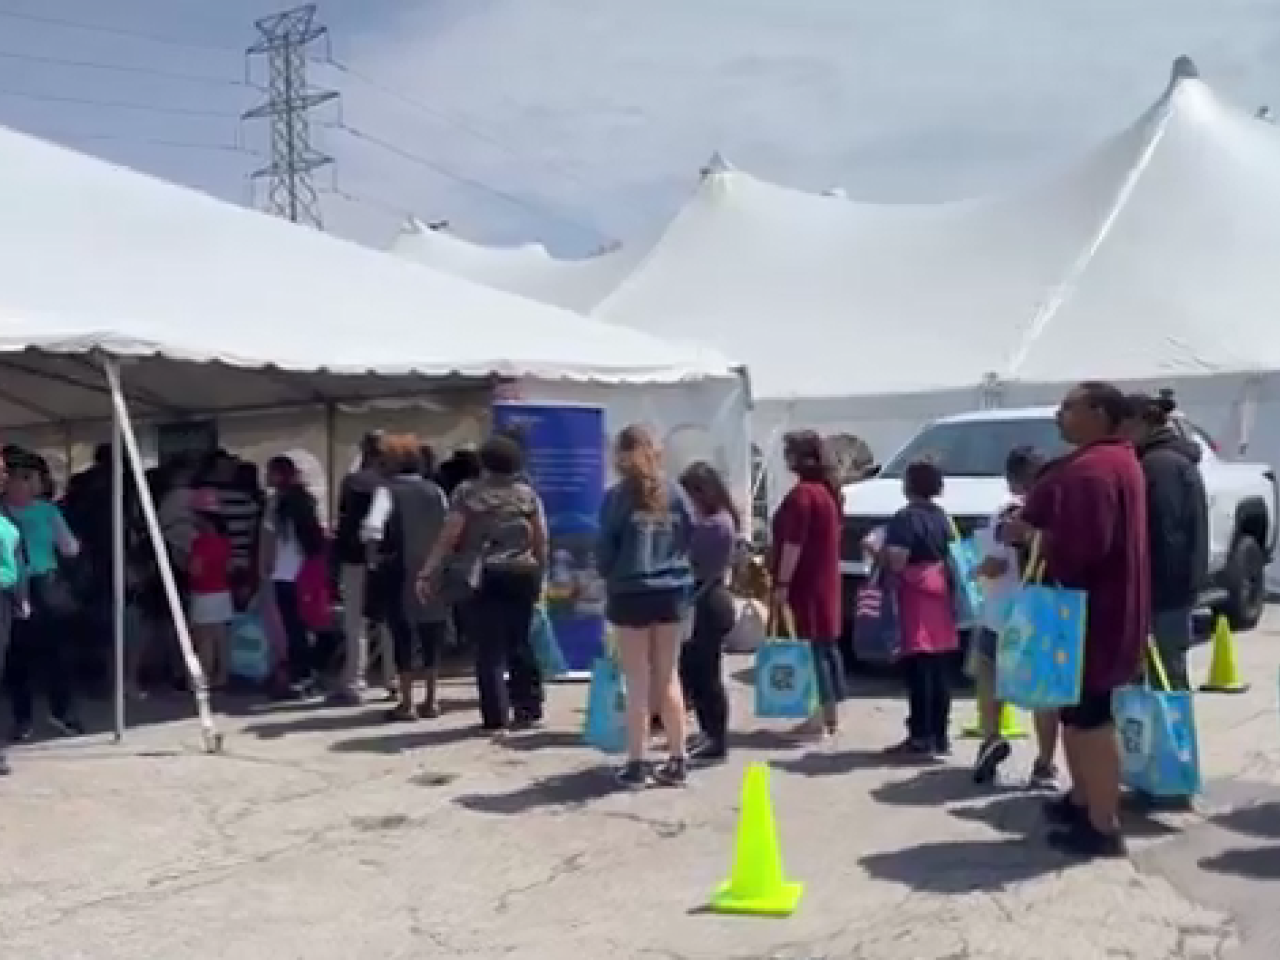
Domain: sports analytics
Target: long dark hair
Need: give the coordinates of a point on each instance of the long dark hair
(296, 506)
(707, 489)
(809, 459)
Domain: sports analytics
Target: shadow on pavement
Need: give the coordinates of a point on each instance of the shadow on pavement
(407, 737)
(1020, 812)
(820, 763)
(543, 740)
(932, 786)
(1258, 863)
(1259, 820)
(316, 721)
(963, 866)
(561, 790)
(763, 740)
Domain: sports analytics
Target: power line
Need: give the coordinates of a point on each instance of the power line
(112, 31)
(153, 142)
(118, 104)
(120, 68)
(458, 123)
(501, 194)
(367, 201)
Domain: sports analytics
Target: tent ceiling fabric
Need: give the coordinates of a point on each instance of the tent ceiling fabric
(527, 271)
(94, 256)
(1153, 256)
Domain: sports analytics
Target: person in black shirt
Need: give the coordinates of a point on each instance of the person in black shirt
(1177, 527)
(355, 496)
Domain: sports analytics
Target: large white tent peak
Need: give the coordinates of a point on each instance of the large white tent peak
(1161, 238)
(1150, 256)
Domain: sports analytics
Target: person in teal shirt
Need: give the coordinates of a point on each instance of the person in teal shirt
(40, 642)
(12, 584)
(11, 570)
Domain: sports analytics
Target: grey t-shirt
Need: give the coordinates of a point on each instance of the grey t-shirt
(500, 518)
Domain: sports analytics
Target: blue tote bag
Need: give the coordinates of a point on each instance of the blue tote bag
(1040, 656)
(785, 678)
(877, 633)
(963, 560)
(546, 648)
(250, 648)
(606, 723)
(1159, 749)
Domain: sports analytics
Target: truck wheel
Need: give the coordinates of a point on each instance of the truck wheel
(1246, 584)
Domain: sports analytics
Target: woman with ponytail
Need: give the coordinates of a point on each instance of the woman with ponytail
(643, 556)
(806, 568)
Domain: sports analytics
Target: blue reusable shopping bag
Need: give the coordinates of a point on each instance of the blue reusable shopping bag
(546, 648)
(963, 560)
(1040, 656)
(785, 678)
(1159, 749)
(250, 650)
(606, 724)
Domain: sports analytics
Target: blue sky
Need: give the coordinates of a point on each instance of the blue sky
(594, 115)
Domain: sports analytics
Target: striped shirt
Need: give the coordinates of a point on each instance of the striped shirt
(242, 515)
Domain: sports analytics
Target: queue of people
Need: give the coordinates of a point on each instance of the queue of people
(425, 553)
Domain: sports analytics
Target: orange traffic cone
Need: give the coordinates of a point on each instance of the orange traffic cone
(1224, 673)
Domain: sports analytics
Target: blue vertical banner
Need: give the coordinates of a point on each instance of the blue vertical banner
(565, 455)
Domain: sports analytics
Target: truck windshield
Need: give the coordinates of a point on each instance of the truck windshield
(977, 448)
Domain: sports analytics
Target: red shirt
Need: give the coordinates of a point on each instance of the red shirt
(810, 517)
(1092, 509)
(210, 564)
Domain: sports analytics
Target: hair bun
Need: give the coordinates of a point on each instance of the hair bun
(1165, 400)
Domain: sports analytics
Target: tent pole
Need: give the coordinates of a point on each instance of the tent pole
(331, 459)
(118, 572)
(199, 684)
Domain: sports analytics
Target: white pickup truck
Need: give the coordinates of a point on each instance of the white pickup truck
(1244, 500)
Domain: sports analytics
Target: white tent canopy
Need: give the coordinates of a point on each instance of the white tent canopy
(1160, 244)
(94, 256)
(528, 270)
(220, 309)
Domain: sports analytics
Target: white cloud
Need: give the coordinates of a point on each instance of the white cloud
(896, 100)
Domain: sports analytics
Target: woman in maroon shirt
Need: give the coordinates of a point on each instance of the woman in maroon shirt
(806, 568)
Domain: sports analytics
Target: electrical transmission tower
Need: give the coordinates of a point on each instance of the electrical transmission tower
(285, 40)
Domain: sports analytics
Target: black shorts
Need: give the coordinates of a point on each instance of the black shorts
(647, 608)
(1093, 712)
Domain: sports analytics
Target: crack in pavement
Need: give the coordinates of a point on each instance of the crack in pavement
(562, 868)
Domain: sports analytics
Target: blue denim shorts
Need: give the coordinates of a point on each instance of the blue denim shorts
(828, 669)
(986, 640)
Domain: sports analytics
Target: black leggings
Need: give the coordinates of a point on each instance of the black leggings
(498, 623)
(702, 658)
(929, 697)
(298, 652)
(39, 656)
